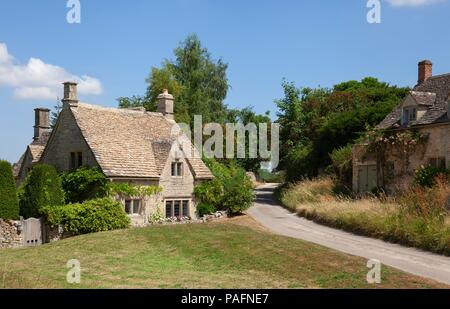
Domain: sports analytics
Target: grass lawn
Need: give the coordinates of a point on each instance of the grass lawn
(236, 253)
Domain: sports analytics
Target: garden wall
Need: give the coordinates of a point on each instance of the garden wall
(10, 234)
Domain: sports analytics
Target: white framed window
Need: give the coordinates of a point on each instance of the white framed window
(177, 169)
(177, 208)
(133, 206)
(409, 114)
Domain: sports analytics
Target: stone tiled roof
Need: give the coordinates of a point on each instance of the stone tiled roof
(36, 149)
(36, 152)
(17, 166)
(424, 98)
(434, 93)
(129, 143)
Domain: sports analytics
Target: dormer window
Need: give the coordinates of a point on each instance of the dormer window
(409, 114)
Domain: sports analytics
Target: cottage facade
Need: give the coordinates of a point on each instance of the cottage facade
(424, 111)
(128, 145)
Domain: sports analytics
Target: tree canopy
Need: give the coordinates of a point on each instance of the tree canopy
(314, 122)
(198, 83)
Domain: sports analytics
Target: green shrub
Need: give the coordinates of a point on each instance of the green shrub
(271, 177)
(205, 209)
(231, 189)
(209, 192)
(300, 158)
(84, 184)
(341, 165)
(89, 217)
(239, 195)
(9, 204)
(426, 175)
(41, 188)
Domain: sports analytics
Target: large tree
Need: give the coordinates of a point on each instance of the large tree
(314, 122)
(198, 82)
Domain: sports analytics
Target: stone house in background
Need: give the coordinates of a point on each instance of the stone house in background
(128, 145)
(425, 110)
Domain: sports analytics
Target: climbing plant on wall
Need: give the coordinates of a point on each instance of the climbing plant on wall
(400, 145)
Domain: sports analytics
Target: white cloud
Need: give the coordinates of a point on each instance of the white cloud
(412, 3)
(37, 80)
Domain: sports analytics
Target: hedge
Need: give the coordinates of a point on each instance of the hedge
(41, 188)
(9, 204)
(89, 217)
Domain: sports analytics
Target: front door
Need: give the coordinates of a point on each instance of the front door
(367, 178)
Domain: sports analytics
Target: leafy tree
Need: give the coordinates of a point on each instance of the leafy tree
(55, 113)
(41, 188)
(136, 101)
(315, 122)
(246, 116)
(198, 82)
(9, 205)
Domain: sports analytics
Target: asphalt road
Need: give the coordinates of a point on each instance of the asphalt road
(271, 215)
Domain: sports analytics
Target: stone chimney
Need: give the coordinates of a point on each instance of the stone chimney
(70, 94)
(165, 104)
(41, 122)
(425, 70)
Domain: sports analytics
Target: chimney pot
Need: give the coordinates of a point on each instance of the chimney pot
(70, 94)
(165, 104)
(41, 122)
(425, 71)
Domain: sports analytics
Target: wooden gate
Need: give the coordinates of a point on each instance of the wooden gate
(367, 178)
(32, 232)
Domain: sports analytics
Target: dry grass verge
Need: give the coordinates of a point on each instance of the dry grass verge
(418, 218)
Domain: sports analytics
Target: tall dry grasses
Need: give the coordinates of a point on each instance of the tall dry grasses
(418, 217)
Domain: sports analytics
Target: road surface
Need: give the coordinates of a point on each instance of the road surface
(271, 215)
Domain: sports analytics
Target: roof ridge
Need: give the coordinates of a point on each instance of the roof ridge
(440, 75)
(424, 92)
(115, 109)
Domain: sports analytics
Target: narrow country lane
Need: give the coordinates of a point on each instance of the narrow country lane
(270, 214)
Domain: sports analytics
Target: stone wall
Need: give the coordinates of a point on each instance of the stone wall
(10, 234)
(52, 234)
(178, 187)
(437, 145)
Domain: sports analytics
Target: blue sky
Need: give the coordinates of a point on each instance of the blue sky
(311, 42)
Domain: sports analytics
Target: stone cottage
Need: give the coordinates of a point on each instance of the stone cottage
(128, 145)
(423, 112)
